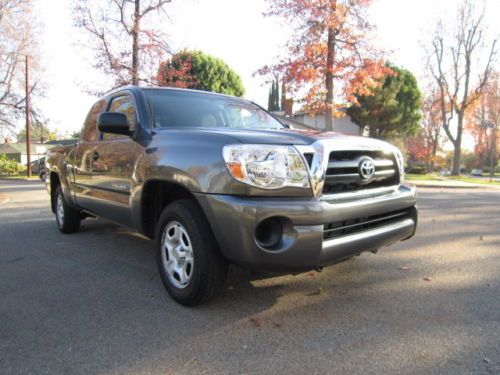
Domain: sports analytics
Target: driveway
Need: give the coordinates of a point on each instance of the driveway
(93, 303)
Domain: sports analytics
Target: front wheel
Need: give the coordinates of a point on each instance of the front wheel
(68, 219)
(190, 264)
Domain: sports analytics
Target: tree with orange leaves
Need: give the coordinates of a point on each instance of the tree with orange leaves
(423, 147)
(329, 57)
(484, 122)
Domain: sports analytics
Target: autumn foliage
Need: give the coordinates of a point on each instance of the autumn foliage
(423, 147)
(328, 59)
(483, 120)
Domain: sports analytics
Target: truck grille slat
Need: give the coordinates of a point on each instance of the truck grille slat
(347, 227)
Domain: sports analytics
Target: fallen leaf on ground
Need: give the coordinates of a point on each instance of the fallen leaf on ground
(277, 325)
(486, 360)
(404, 268)
(311, 274)
(315, 293)
(481, 238)
(427, 278)
(256, 322)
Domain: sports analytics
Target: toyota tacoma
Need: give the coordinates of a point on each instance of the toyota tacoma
(215, 179)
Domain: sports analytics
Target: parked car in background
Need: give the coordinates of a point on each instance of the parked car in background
(38, 167)
(477, 172)
(445, 172)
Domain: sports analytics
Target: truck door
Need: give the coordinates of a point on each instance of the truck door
(81, 158)
(113, 165)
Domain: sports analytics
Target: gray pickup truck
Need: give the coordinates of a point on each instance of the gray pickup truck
(215, 180)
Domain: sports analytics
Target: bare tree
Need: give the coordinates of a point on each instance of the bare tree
(124, 49)
(454, 63)
(17, 30)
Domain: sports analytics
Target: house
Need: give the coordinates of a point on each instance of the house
(342, 124)
(17, 151)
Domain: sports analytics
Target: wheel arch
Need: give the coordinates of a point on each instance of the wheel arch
(155, 196)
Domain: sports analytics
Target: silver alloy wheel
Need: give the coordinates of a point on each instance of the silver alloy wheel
(177, 254)
(60, 209)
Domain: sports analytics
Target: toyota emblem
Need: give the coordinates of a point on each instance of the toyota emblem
(366, 169)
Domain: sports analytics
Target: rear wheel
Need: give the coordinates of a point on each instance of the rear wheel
(190, 264)
(67, 218)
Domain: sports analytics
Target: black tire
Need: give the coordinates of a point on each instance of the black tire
(42, 176)
(209, 268)
(69, 222)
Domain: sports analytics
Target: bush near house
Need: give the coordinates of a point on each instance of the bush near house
(8, 166)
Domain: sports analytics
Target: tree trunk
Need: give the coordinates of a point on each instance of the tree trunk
(329, 80)
(135, 43)
(457, 145)
(432, 161)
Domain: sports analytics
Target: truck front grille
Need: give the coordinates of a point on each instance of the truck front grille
(343, 171)
(347, 227)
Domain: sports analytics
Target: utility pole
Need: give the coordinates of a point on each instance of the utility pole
(28, 145)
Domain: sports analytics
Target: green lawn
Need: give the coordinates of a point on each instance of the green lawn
(421, 177)
(19, 177)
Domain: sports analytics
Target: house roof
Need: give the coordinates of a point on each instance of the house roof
(61, 142)
(17, 148)
(10, 148)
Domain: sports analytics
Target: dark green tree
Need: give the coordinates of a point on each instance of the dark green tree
(393, 111)
(276, 98)
(199, 71)
(270, 98)
(273, 103)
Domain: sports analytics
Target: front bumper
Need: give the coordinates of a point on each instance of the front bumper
(303, 246)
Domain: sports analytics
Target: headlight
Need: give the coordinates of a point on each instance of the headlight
(266, 166)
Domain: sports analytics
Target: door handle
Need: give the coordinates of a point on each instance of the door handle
(95, 156)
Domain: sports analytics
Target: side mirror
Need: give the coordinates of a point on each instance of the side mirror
(113, 122)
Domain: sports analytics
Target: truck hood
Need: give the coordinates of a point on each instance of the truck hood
(291, 137)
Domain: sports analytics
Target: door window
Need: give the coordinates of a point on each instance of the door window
(122, 104)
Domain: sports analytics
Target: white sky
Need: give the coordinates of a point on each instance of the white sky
(233, 30)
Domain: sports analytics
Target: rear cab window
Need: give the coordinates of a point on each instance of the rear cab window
(89, 131)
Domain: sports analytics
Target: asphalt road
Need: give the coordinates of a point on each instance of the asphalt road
(93, 303)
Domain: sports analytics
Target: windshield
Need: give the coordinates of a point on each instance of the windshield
(176, 108)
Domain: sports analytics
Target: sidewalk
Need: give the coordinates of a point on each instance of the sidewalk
(449, 184)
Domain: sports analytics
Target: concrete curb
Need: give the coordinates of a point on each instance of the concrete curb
(437, 185)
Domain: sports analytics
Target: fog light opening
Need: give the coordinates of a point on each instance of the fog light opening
(268, 233)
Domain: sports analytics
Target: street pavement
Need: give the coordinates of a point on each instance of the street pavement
(93, 303)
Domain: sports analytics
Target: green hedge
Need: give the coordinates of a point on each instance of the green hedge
(8, 166)
(416, 170)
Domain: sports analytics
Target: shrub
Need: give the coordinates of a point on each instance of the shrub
(8, 166)
(417, 169)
